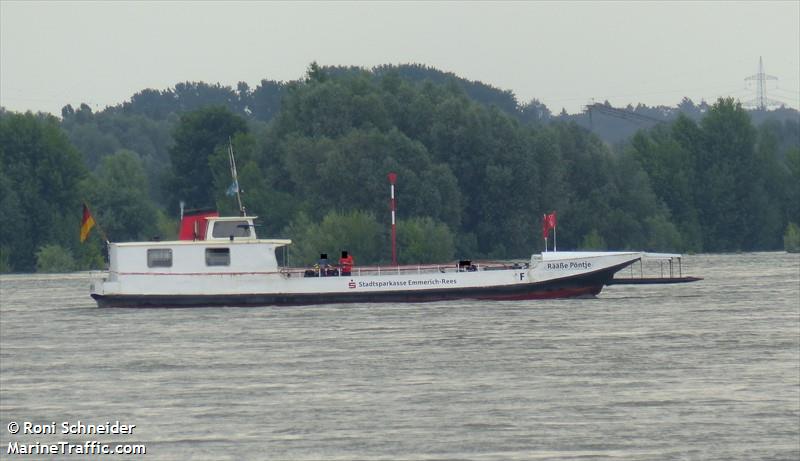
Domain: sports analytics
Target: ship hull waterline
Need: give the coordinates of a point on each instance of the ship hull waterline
(582, 285)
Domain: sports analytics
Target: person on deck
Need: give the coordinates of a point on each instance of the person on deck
(346, 263)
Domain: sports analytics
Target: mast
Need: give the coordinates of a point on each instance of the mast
(235, 186)
(392, 206)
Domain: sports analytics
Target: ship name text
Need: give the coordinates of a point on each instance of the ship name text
(569, 265)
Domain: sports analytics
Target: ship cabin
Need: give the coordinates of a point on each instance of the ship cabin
(208, 244)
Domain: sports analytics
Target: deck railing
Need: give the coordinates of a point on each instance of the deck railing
(360, 271)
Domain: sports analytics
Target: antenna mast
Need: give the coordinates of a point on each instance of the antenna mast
(235, 186)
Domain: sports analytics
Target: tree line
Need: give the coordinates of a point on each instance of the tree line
(476, 171)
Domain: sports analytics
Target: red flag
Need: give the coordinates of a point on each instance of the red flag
(548, 222)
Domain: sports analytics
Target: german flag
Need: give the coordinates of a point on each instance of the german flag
(86, 223)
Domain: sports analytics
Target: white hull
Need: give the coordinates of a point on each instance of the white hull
(561, 274)
(221, 263)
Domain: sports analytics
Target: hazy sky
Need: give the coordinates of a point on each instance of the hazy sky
(564, 54)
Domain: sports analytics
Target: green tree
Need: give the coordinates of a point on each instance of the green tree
(662, 235)
(5, 261)
(722, 181)
(118, 196)
(792, 207)
(357, 232)
(791, 239)
(265, 100)
(13, 233)
(197, 136)
(772, 187)
(728, 192)
(349, 172)
(667, 155)
(305, 247)
(54, 258)
(39, 179)
(589, 187)
(424, 240)
(593, 241)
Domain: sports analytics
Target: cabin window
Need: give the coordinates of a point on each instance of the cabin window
(159, 257)
(224, 229)
(218, 256)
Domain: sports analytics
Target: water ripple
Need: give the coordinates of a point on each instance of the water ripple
(700, 371)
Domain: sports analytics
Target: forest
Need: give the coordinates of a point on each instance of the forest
(476, 171)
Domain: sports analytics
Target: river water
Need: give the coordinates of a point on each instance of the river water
(708, 370)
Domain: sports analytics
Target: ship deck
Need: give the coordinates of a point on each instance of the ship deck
(372, 271)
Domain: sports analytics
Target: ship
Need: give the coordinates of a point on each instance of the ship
(220, 261)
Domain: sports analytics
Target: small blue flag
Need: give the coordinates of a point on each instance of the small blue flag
(233, 189)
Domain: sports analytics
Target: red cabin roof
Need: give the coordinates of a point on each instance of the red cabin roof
(193, 225)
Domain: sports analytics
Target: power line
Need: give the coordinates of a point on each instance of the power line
(620, 113)
(784, 90)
